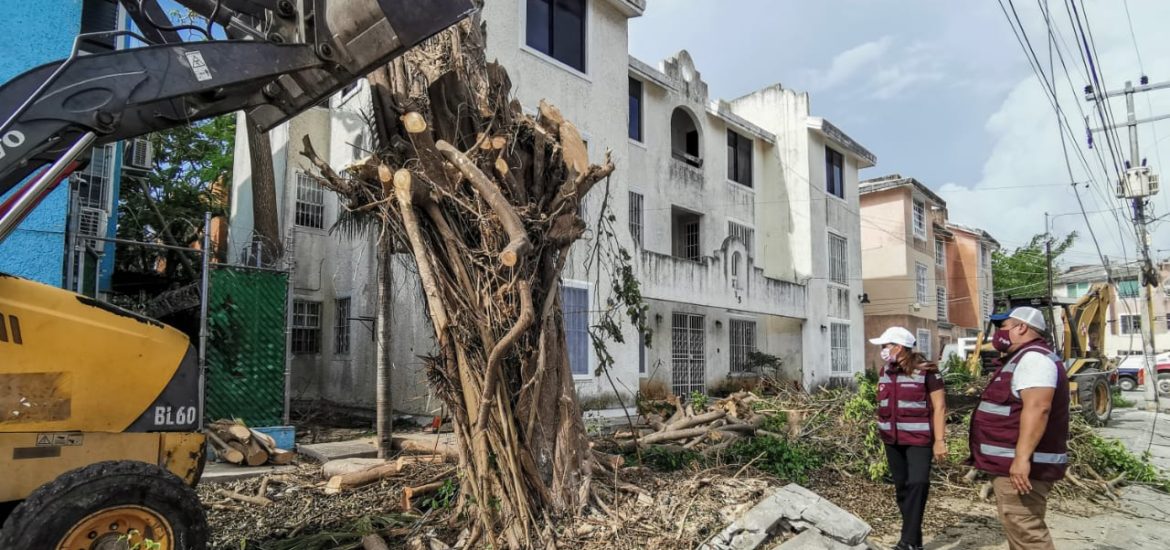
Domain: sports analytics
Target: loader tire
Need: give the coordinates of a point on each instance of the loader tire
(1095, 397)
(99, 505)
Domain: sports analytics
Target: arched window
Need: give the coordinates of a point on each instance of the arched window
(684, 138)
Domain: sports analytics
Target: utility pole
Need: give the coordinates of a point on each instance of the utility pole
(1138, 184)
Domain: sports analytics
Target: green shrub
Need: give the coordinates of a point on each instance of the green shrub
(862, 407)
(1119, 401)
(665, 459)
(782, 458)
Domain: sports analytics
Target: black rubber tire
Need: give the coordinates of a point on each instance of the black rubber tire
(1096, 398)
(1127, 384)
(1163, 384)
(43, 519)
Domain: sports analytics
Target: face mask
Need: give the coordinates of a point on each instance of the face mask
(887, 355)
(1001, 341)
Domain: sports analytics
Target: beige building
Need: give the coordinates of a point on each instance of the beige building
(1123, 336)
(920, 271)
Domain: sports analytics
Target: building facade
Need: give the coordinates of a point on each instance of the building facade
(50, 245)
(724, 206)
(921, 272)
(1124, 335)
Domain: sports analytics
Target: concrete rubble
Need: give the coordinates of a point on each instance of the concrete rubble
(817, 523)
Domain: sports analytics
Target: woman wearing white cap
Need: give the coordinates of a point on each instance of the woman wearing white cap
(912, 415)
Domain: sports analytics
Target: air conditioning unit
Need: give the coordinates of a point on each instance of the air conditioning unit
(140, 154)
(91, 222)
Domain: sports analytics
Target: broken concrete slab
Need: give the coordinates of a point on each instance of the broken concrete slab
(217, 472)
(365, 447)
(791, 508)
(800, 504)
(814, 539)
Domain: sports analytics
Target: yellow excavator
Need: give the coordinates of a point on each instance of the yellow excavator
(101, 410)
(1079, 336)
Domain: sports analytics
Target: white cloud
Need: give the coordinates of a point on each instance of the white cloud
(880, 69)
(854, 62)
(1025, 174)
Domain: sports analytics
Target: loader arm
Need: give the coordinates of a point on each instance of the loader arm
(281, 58)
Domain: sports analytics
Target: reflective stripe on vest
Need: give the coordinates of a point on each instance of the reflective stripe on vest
(992, 408)
(906, 426)
(1007, 452)
(883, 402)
(913, 379)
(884, 379)
(911, 404)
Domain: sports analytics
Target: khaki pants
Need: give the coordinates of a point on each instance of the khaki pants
(1023, 515)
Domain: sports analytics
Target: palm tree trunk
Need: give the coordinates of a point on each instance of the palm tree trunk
(384, 362)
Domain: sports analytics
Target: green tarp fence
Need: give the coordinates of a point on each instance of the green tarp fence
(246, 318)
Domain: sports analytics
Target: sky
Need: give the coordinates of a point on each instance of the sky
(941, 91)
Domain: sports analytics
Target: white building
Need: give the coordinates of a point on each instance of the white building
(728, 208)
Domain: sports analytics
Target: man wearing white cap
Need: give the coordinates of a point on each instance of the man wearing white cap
(1019, 432)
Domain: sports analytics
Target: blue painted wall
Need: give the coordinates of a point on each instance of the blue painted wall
(37, 32)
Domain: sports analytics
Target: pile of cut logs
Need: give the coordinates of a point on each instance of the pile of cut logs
(238, 444)
(709, 431)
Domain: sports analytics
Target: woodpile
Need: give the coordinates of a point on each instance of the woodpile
(238, 444)
(709, 431)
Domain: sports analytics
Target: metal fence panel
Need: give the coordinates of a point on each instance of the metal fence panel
(246, 345)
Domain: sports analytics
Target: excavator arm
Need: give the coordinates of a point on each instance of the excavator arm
(281, 58)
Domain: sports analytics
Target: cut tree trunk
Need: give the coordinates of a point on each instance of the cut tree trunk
(485, 198)
(384, 408)
(265, 220)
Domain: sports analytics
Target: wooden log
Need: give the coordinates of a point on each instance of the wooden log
(344, 466)
(256, 455)
(427, 446)
(551, 118)
(409, 493)
(342, 482)
(240, 432)
(519, 245)
(281, 457)
(430, 160)
(696, 420)
(225, 452)
(264, 440)
(573, 150)
(406, 461)
(241, 448)
(374, 542)
(258, 501)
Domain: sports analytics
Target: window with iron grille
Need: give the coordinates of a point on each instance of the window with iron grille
(556, 28)
(919, 211)
(636, 222)
(988, 304)
(576, 317)
(834, 173)
(941, 292)
(306, 329)
(940, 253)
(920, 282)
(1131, 324)
(691, 241)
(739, 158)
(923, 343)
(745, 234)
(93, 189)
(341, 327)
(743, 342)
(688, 354)
(839, 347)
(310, 202)
(838, 259)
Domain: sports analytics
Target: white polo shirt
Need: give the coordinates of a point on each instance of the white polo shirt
(1035, 370)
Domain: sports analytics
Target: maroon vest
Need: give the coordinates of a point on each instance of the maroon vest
(903, 408)
(995, 426)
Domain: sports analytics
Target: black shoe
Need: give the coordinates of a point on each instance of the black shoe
(904, 546)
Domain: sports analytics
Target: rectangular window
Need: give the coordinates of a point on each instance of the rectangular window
(838, 259)
(745, 234)
(919, 220)
(306, 329)
(688, 354)
(924, 343)
(635, 110)
(1128, 288)
(941, 292)
(834, 173)
(920, 282)
(93, 188)
(739, 158)
(1131, 324)
(839, 347)
(691, 240)
(1076, 290)
(556, 28)
(984, 256)
(310, 202)
(341, 327)
(940, 253)
(641, 353)
(988, 303)
(743, 342)
(576, 315)
(636, 222)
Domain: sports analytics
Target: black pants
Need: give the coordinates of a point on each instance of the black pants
(910, 467)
